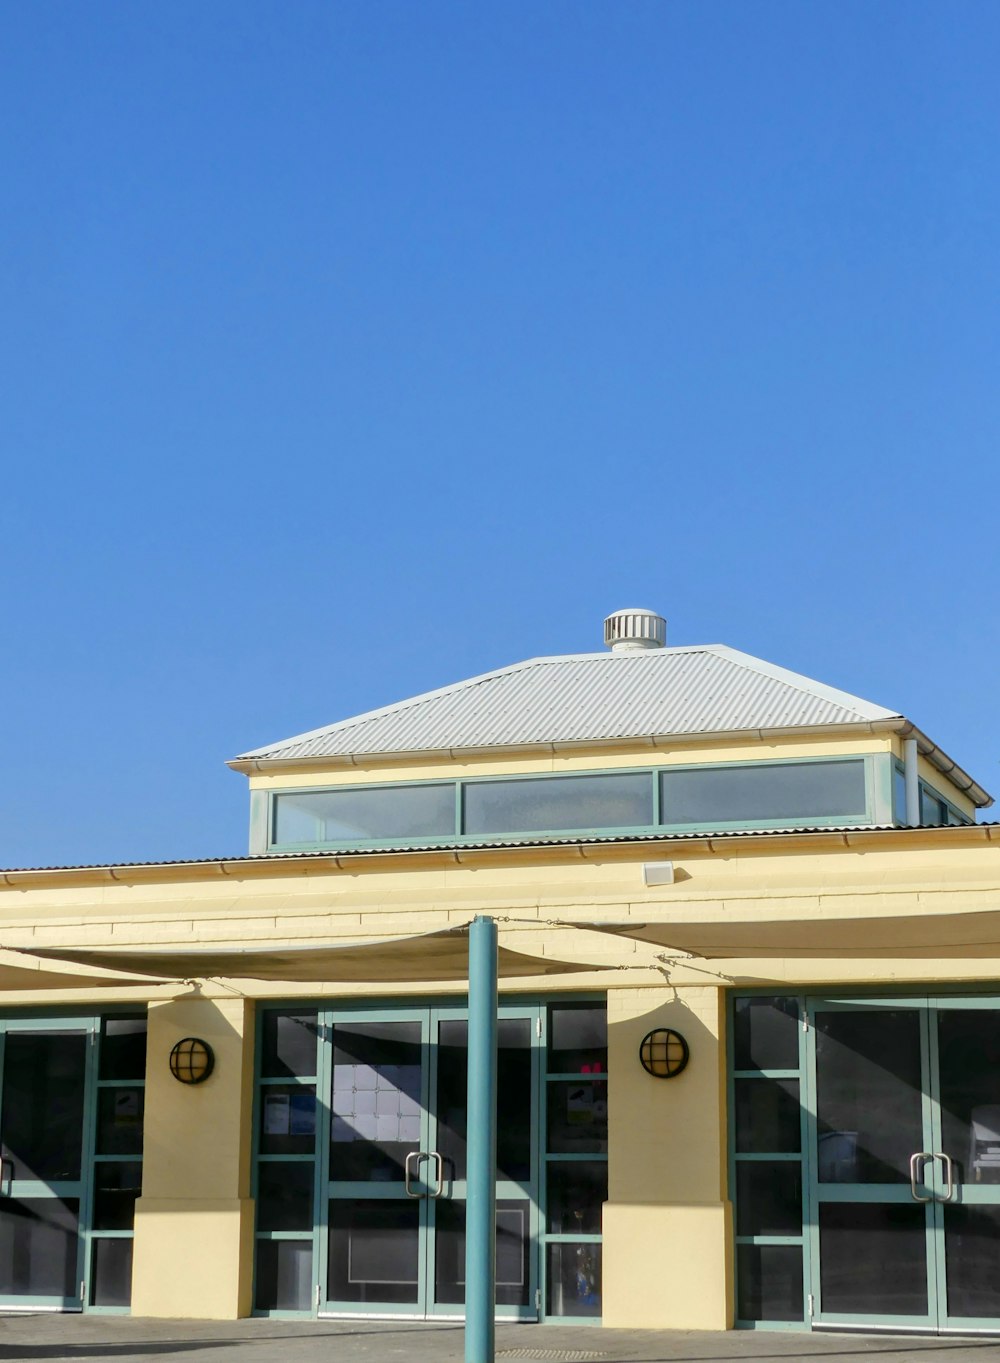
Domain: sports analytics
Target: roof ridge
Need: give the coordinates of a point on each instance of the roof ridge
(798, 681)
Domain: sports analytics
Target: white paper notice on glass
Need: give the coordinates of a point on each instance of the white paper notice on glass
(276, 1114)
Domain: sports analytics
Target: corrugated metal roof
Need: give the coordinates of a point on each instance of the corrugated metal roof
(589, 697)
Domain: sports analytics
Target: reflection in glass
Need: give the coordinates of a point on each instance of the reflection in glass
(512, 1282)
(578, 1038)
(284, 1275)
(123, 1048)
(288, 1044)
(869, 1103)
(972, 1253)
(359, 814)
(287, 1119)
(768, 1197)
(873, 1258)
(374, 1251)
(769, 1282)
(766, 1034)
(574, 1279)
(285, 1196)
(776, 792)
(41, 1107)
(513, 1084)
(969, 1050)
(768, 1120)
(111, 1272)
(119, 1121)
(577, 1116)
(553, 803)
(117, 1184)
(377, 1088)
(39, 1244)
(577, 1191)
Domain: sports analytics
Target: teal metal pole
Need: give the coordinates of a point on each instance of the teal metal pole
(481, 1204)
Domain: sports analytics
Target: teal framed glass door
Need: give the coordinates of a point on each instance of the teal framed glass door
(904, 1163)
(46, 1096)
(392, 1137)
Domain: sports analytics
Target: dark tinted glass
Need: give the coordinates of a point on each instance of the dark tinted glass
(512, 1282)
(767, 1116)
(577, 1191)
(285, 1196)
(558, 802)
(933, 811)
(871, 1254)
(355, 815)
(972, 1251)
(284, 1275)
(969, 1066)
(116, 1187)
(123, 1048)
(287, 1119)
(577, 1117)
(513, 1086)
(574, 1282)
(766, 1034)
(42, 1236)
(578, 1039)
(377, 1078)
(41, 1110)
(768, 1197)
(374, 1251)
(111, 1272)
(769, 1282)
(770, 792)
(119, 1121)
(288, 1044)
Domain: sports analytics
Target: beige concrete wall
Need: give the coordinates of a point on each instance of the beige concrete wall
(667, 1261)
(194, 1221)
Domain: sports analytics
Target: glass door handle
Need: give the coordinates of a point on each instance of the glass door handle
(416, 1155)
(918, 1158)
(438, 1173)
(949, 1175)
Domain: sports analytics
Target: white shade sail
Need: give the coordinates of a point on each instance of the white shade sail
(430, 957)
(909, 936)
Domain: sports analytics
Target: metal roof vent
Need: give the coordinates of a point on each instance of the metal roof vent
(628, 631)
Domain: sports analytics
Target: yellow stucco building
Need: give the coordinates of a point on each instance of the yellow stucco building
(791, 909)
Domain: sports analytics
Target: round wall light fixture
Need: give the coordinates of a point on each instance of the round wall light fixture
(664, 1053)
(192, 1060)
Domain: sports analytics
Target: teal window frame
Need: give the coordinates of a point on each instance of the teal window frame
(954, 817)
(878, 806)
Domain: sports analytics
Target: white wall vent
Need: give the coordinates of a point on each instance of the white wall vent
(627, 631)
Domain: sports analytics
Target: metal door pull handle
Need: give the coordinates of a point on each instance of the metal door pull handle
(949, 1175)
(438, 1173)
(919, 1157)
(417, 1155)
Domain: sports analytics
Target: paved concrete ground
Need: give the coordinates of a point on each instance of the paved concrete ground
(124, 1339)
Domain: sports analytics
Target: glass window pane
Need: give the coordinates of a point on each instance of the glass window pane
(768, 792)
(285, 1196)
(513, 1085)
(111, 1272)
(119, 1121)
(123, 1048)
(284, 1275)
(873, 1258)
(374, 1251)
(577, 1191)
(969, 1066)
(869, 1098)
(768, 1197)
(972, 1250)
(358, 814)
(767, 1116)
(574, 1280)
(377, 1086)
(39, 1241)
(769, 1282)
(288, 1044)
(512, 1242)
(553, 803)
(116, 1187)
(287, 1119)
(41, 1108)
(577, 1117)
(766, 1034)
(932, 810)
(578, 1038)
(899, 796)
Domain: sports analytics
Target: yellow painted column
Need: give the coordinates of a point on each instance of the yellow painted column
(667, 1223)
(194, 1222)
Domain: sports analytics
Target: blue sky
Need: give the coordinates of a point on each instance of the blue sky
(349, 349)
